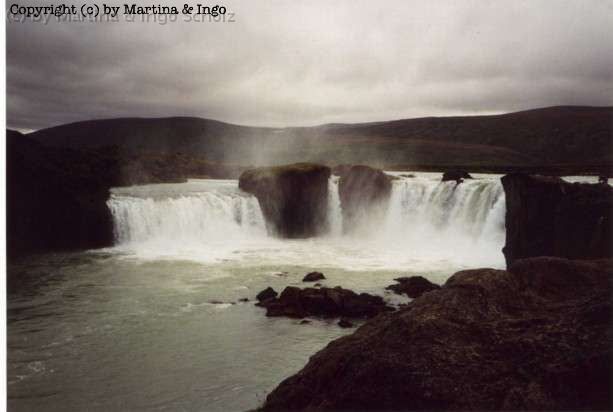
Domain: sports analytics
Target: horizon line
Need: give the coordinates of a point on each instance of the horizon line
(26, 131)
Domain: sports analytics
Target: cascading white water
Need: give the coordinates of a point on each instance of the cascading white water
(194, 217)
(423, 209)
(335, 219)
(442, 220)
(426, 220)
(205, 216)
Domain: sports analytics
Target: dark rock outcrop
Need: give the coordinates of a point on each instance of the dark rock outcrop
(345, 323)
(325, 302)
(457, 175)
(266, 294)
(293, 198)
(56, 198)
(413, 286)
(364, 193)
(313, 277)
(547, 216)
(537, 337)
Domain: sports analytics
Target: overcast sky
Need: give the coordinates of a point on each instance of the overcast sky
(283, 63)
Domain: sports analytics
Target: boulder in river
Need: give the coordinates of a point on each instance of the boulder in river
(536, 337)
(293, 198)
(413, 286)
(325, 302)
(266, 294)
(313, 277)
(345, 323)
(457, 175)
(546, 216)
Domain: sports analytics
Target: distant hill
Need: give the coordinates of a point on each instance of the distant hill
(565, 135)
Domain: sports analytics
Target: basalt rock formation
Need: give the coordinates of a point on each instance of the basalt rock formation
(364, 193)
(325, 302)
(293, 198)
(56, 198)
(457, 175)
(413, 286)
(547, 216)
(313, 277)
(268, 293)
(536, 337)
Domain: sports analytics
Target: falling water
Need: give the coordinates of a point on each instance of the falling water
(335, 219)
(426, 210)
(204, 218)
(426, 220)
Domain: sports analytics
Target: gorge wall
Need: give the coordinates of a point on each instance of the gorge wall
(547, 216)
(56, 198)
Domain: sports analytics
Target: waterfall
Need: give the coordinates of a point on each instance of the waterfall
(203, 217)
(335, 219)
(425, 219)
(428, 216)
(419, 206)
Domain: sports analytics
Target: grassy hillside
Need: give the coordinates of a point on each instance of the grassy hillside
(554, 137)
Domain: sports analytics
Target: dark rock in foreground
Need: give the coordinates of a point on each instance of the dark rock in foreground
(364, 193)
(313, 277)
(457, 175)
(547, 216)
(537, 337)
(293, 198)
(56, 198)
(413, 286)
(345, 323)
(266, 294)
(325, 302)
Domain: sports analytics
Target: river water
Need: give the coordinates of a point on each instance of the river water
(155, 322)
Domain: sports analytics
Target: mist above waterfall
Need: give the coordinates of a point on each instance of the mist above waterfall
(427, 223)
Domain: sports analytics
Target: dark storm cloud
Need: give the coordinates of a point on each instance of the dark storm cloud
(297, 63)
